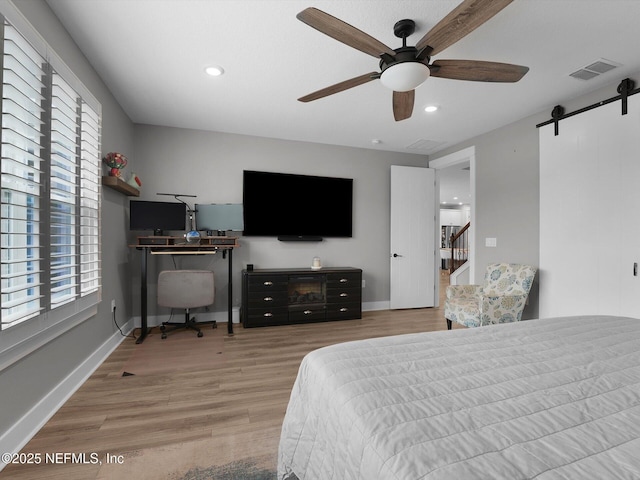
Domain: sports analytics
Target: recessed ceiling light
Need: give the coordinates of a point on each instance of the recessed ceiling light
(430, 108)
(214, 71)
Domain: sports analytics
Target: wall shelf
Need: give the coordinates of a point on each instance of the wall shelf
(120, 186)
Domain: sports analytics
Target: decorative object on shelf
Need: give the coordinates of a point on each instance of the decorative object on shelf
(116, 162)
(316, 265)
(135, 181)
(193, 236)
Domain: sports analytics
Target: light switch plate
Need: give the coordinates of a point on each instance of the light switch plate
(490, 242)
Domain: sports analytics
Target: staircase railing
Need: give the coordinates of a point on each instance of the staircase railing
(459, 248)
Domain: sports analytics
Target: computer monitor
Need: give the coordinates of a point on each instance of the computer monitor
(218, 218)
(157, 216)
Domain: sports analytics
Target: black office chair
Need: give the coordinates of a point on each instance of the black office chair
(185, 289)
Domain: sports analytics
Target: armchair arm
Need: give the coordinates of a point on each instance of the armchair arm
(501, 308)
(463, 291)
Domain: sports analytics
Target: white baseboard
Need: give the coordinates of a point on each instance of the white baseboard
(18, 435)
(373, 306)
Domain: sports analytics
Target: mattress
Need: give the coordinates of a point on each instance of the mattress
(555, 398)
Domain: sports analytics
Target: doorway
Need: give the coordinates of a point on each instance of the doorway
(457, 160)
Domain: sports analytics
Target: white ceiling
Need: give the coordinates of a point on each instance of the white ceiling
(152, 55)
(455, 186)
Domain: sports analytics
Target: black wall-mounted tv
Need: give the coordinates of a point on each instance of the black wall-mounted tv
(297, 207)
(157, 216)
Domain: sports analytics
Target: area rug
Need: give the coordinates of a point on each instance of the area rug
(247, 469)
(245, 457)
(182, 347)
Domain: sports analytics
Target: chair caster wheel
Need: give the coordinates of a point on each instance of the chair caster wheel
(162, 328)
(215, 325)
(163, 336)
(200, 334)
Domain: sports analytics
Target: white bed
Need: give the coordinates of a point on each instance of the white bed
(547, 399)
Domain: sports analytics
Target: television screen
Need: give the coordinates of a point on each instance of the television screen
(220, 217)
(157, 216)
(296, 206)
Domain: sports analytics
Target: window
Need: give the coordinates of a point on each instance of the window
(50, 159)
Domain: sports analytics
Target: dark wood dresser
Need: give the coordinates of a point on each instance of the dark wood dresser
(300, 295)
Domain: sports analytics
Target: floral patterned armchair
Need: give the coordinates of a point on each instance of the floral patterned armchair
(500, 300)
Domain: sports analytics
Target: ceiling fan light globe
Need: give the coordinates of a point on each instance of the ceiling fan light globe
(404, 77)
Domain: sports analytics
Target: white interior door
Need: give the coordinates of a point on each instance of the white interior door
(413, 233)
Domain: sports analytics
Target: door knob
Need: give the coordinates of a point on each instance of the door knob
(396, 255)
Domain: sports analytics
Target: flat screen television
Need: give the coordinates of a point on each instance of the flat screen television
(297, 207)
(157, 216)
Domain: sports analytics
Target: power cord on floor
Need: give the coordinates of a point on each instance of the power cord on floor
(116, 324)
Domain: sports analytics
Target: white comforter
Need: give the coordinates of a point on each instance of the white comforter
(546, 399)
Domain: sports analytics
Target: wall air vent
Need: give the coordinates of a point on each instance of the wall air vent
(594, 69)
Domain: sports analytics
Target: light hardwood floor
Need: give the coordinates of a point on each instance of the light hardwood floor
(236, 408)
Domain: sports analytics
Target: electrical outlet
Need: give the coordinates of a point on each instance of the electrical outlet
(113, 305)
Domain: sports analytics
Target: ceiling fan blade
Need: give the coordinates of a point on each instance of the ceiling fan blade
(461, 21)
(343, 32)
(478, 71)
(339, 87)
(403, 104)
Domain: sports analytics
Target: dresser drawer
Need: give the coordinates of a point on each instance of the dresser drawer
(346, 279)
(308, 313)
(346, 311)
(344, 295)
(257, 317)
(267, 299)
(267, 283)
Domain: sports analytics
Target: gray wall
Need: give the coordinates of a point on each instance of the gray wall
(210, 165)
(508, 185)
(26, 382)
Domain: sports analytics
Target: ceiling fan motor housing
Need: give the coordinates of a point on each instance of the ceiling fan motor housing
(404, 71)
(407, 69)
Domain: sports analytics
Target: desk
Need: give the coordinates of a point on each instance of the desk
(177, 246)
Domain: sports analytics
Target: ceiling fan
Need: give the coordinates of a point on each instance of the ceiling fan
(405, 68)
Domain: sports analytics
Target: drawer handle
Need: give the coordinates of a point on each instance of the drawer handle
(268, 314)
(308, 312)
(344, 280)
(344, 309)
(268, 283)
(344, 295)
(268, 299)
